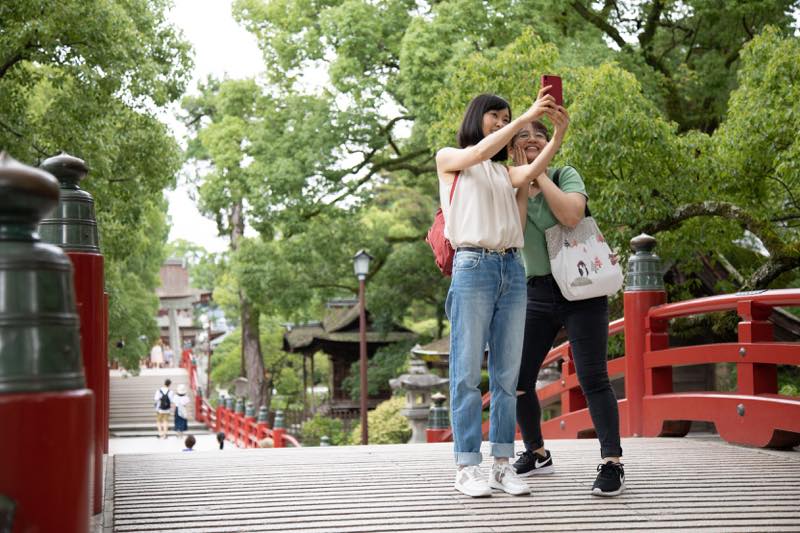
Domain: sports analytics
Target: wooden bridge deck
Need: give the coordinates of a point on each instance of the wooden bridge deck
(672, 484)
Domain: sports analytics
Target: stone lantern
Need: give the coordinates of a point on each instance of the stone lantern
(419, 384)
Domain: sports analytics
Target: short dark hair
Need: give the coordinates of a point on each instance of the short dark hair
(471, 130)
(190, 441)
(167, 382)
(539, 126)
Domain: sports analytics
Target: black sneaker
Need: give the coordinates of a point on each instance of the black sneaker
(530, 463)
(610, 481)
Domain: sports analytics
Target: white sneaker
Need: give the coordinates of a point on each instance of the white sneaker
(471, 482)
(505, 478)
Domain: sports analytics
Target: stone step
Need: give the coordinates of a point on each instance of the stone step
(132, 407)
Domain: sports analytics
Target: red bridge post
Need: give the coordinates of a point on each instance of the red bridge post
(250, 428)
(755, 378)
(73, 227)
(438, 422)
(262, 429)
(47, 433)
(644, 288)
(278, 430)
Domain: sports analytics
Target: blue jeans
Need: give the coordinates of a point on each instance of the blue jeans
(485, 305)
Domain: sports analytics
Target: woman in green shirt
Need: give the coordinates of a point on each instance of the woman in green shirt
(586, 321)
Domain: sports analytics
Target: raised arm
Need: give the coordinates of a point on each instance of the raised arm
(522, 205)
(451, 160)
(567, 207)
(518, 157)
(521, 176)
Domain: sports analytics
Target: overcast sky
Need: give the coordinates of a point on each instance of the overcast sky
(221, 47)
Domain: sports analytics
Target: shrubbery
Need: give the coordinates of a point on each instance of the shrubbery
(315, 428)
(386, 424)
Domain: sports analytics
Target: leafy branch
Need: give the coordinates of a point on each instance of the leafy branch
(783, 257)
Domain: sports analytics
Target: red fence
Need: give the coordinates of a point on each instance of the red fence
(755, 414)
(242, 429)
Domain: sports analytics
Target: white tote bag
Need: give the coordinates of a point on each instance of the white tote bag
(582, 263)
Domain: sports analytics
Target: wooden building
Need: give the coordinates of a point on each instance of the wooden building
(337, 335)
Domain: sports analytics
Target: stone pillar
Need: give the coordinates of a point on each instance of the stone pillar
(174, 335)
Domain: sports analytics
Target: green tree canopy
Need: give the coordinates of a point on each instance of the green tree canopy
(88, 78)
(682, 120)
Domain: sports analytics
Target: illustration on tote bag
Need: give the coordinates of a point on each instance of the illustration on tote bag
(575, 260)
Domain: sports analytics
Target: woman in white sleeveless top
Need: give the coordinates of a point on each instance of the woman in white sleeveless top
(486, 300)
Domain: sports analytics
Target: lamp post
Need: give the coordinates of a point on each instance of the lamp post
(361, 267)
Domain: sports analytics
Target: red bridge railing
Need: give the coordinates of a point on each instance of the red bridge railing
(754, 414)
(241, 428)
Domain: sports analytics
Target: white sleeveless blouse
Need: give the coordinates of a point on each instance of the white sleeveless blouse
(484, 210)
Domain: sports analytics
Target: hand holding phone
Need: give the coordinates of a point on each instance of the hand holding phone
(555, 87)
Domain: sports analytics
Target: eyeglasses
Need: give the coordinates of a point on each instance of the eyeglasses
(524, 135)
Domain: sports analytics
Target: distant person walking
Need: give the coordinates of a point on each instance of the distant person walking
(189, 443)
(168, 353)
(181, 413)
(164, 399)
(157, 355)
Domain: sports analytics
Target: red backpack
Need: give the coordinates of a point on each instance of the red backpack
(443, 251)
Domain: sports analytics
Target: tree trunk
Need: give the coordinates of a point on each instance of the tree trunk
(252, 365)
(251, 349)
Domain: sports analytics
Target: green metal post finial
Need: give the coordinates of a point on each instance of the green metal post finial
(249, 410)
(437, 416)
(229, 401)
(645, 272)
(72, 225)
(39, 334)
(278, 420)
(262, 414)
(239, 406)
(69, 169)
(26, 195)
(324, 441)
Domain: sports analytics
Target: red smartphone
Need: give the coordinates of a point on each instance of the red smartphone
(555, 87)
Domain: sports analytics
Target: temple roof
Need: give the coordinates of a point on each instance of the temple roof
(339, 325)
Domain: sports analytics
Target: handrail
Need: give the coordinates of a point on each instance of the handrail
(726, 302)
(244, 431)
(755, 414)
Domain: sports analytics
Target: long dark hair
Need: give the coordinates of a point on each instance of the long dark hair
(471, 130)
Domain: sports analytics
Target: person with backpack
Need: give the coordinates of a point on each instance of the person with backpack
(164, 400)
(558, 196)
(486, 300)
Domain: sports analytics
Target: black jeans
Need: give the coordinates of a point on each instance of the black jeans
(586, 322)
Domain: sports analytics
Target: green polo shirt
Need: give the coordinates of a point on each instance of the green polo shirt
(540, 218)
